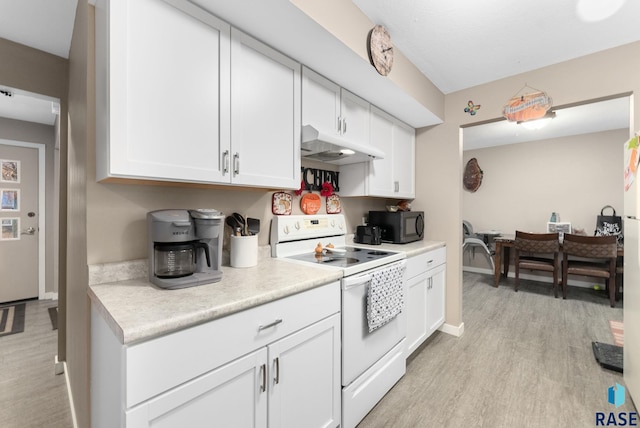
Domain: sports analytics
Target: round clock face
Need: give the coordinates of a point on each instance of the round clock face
(380, 50)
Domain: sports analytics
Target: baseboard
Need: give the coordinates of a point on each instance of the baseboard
(72, 406)
(453, 330)
(572, 281)
(50, 296)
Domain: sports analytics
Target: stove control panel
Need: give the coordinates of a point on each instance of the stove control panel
(296, 227)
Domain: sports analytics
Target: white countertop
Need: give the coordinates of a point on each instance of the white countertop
(136, 310)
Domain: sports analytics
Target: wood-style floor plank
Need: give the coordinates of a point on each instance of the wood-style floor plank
(31, 394)
(525, 359)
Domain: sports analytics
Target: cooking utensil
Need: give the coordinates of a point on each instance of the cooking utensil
(234, 224)
(241, 222)
(335, 250)
(253, 226)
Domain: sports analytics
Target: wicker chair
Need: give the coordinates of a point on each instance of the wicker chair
(535, 244)
(598, 259)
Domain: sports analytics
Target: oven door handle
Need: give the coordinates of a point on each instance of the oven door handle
(351, 282)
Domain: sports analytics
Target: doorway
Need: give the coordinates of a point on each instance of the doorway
(571, 167)
(22, 217)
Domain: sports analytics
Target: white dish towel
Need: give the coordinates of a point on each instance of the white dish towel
(385, 298)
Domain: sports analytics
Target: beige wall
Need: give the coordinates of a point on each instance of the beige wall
(81, 121)
(30, 132)
(523, 183)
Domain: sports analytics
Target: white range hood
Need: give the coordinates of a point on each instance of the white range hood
(323, 147)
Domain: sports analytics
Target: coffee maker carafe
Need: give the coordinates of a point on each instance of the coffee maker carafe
(185, 247)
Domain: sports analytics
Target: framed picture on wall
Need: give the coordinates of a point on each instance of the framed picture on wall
(10, 200)
(10, 171)
(10, 229)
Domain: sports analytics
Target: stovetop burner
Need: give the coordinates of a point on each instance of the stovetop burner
(353, 256)
(294, 238)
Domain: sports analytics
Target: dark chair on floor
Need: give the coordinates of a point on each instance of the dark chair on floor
(528, 249)
(597, 259)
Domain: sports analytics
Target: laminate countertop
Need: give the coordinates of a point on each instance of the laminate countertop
(137, 310)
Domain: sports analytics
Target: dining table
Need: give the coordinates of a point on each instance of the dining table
(502, 256)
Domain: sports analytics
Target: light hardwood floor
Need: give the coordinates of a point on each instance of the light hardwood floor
(524, 360)
(31, 394)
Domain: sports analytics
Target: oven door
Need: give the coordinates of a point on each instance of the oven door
(361, 349)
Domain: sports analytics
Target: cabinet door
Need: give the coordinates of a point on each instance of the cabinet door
(355, 118)
(436, 299)
(265, 115)
(233, 395)
(417, 311)
(304, 382)
(381, 170)
(162, 82)
(320, 102)
(404, 161)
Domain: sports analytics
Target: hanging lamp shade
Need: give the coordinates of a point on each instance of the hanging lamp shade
(529, 106)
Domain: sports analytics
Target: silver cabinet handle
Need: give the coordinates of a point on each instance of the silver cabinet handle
(263, 386)
(277, 378)
(344, 126)
(339, 125)
(28, 231)
(396, 186)
(225, 162)
(273, 324)
(236, 163)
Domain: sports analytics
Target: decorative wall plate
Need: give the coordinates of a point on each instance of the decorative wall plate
(281, 203)
(472, 175)
(310, 203)
(333, 204)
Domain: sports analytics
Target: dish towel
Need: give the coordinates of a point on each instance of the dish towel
(385, 297)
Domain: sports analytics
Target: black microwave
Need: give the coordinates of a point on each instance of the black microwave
(398, 227)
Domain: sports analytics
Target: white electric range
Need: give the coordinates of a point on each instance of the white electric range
(372, 362)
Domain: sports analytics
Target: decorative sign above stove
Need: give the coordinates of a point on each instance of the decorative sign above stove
(314, 178)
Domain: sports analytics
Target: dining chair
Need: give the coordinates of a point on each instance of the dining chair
(529, 249)
(597, 259)
(472, 240)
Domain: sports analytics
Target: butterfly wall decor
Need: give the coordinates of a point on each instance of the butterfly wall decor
(471, 108)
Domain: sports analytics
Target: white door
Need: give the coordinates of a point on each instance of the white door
(304, 377)
(233, 395)
(265, 115)
(19, 264)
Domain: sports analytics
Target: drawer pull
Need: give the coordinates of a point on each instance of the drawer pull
(277, 378)
(273, 324)
(263, 369)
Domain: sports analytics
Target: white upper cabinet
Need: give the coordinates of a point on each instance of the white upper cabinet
(391, 177)
(162, 80)
(332, 109)
(265, 115)
(168, 108)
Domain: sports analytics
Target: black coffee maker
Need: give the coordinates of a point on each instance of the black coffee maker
(185, 247)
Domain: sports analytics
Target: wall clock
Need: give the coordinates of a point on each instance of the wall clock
(380, 49)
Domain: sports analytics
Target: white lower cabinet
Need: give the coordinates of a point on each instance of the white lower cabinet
(276, 365)
(426, 296)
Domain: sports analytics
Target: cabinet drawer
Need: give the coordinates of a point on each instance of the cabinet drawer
(423, 262)
(160, 364)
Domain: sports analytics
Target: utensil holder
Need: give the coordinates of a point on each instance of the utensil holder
(244, 251)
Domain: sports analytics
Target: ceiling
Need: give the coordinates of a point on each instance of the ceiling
(46, 25)
(587, 118)
(487, 38)
(460, 44)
